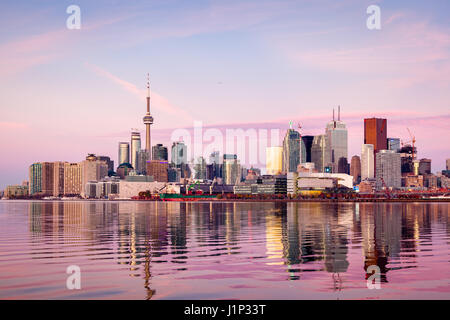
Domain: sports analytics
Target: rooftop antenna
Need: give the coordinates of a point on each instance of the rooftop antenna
(339, 113)
(333, 113)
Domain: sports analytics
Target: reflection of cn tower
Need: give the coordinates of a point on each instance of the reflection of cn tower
(148, 121)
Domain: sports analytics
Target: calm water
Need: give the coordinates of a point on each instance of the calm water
(149, 250)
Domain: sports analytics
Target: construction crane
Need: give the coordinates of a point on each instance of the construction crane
(413, 141)
(386, 189)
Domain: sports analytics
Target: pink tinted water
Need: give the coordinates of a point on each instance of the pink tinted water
(156, 250)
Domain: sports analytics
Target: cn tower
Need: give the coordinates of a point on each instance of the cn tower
(148, 121)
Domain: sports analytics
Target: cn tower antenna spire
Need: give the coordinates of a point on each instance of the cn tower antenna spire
(148, 92)
(148, 121)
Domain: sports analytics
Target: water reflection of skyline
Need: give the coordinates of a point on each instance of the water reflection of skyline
(297, 237)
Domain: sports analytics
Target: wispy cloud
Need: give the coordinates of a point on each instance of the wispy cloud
(157, 101)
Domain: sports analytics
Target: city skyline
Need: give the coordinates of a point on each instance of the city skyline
(49, 91)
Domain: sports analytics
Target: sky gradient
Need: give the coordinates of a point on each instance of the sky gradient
(243, 64)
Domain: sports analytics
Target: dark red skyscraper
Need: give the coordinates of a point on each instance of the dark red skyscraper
(375, 132)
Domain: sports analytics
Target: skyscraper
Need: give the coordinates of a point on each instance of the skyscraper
(231, 169)
(73, 178)
(148, 121)
(179, 153)
(93, 170)
(308, 141)
(291, 151)
(159, 152)
(367, 162)
(135, 147)
(388, 171)
(142, 158)
(47, 178)
(41, 178)
(274, 160)
(108, 161)
(393, 144)
(336, 143)
(375, 133)
(124, 153)
(355, 169)
(214, 167)
(58, 177)
(35, 178)
(447, 164)
(200, 168)
(318, 155)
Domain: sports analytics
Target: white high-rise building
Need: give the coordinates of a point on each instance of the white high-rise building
(135, 148)
(318, 156)
(367, 162)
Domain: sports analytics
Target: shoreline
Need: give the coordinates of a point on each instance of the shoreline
(243, 200)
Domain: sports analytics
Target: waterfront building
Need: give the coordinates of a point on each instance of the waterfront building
(367, 162)
(231, 169)
(107, 188)
(47, 178)
(58, 178)
(159, 152)
(293, 151)
(355, 169)
(41, 178)
(93, 169)
(73, 178)
(124, 152)
(336, 144)
(388, 169)
(148, 121)
(179, 153)
(158, 170)
(129, 189)
(393, 144)
(274, 160)
(135, 147)
(267, 184)
(16, 191)
(318, 156)
(341, 179)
